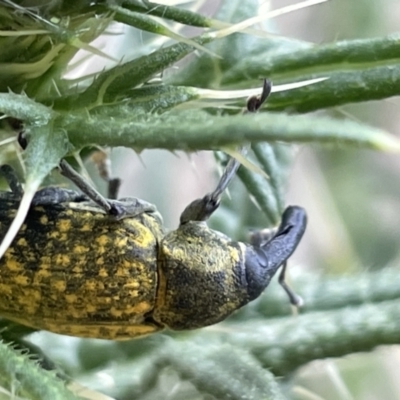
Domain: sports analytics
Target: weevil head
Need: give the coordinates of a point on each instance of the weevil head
(204, 276)
(263, 259)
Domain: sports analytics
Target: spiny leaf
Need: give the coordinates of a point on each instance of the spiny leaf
(120, 80)
(221, 370)
(285, 344)
(347, 55)
(25, 378)
(196, 130)
(341, 88)
(146, 23)
(22, 107)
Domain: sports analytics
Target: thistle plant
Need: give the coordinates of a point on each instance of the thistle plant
(176, 91)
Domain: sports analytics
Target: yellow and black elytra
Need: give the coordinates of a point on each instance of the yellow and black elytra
(106, 269)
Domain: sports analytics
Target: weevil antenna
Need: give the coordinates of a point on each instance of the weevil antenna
(226, 177)
(255, 102)
(202, 209)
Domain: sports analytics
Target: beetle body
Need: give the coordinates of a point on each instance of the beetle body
(74, 270)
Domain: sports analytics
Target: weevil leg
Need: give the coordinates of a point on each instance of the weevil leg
(131, 207)
(102, 160)
(11, 177)
(117, 209)
(86, 188)
(294, 298)
(55, 195)
(113, 188)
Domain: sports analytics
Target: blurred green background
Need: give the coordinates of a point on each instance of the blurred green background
(352, 197)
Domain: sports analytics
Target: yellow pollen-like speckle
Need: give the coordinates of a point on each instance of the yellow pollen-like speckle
(94, 285)
(53, 235)
(44, 220)
(90, 308)
(71, 298)
(100, 261)
(69, 212)
(78, 249)
(141, 307)
(120, 242)
(31, 298)
(133, 293)
(145, 239)
(234, 254)
(5, 289)
(103, 273)
(59, 285)
(62, 260)
(77, 270)
(22, 280)
(13, 265)
(42, 274)
(132, 285)
(120, 272)
(115, 313)
(22, 242)
(63, 237)
(102, 240)
(86, 228)
(64, 225)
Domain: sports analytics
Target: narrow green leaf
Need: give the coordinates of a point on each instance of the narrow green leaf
(118, 82)
(206, 71)
(276, 167)
(316, 60)
(341, 88)
(287, 343)
(176, 14)
(148, 24)
(263, 193)
(196, 130)
(267, 192)
(221, 370)
(22, 107)
(148, 99)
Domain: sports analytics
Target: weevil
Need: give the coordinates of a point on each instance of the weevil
(86, 266)
(75, 270)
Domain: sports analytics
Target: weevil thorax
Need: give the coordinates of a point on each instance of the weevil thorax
(201, 277)
(204, 276)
